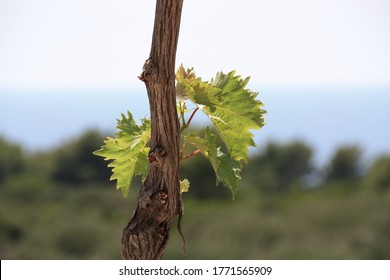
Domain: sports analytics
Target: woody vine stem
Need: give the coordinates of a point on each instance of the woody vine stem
(152, 149)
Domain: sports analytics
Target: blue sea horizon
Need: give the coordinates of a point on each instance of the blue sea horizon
(323, 118)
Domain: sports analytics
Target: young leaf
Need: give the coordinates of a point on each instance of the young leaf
(232, 108)
(181, 75)
(226, 168)
(127, 151)
(198, 91)
(184, 185)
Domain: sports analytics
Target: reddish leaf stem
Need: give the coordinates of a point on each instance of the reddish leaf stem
(192, 115)
(191, 155)
(182, 150)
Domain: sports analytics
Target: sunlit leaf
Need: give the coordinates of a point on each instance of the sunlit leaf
(184, 185)
(227, 169)
(232, 108)
(127, 151)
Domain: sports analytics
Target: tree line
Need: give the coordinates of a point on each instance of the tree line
(59, 204)
(275, 168)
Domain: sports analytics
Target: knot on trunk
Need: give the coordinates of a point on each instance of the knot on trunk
(147, 70)
(157, 156)
(160, 198)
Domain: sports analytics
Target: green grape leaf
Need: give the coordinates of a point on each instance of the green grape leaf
(198, 91)
(127, 151)
(183, 75)
(232, 108)
(226, 168)
(184, 185)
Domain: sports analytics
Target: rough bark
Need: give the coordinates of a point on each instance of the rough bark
(159, 200)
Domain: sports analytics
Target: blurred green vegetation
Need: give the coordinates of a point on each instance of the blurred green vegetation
(59, 204)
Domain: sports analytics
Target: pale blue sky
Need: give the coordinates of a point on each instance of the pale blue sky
(78, 61)
(103, 44)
